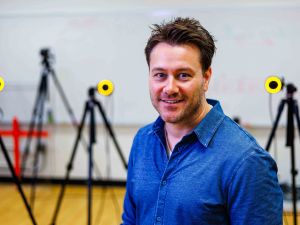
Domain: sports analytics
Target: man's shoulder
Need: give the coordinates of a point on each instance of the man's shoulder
(146, 129)
(144, 133)
(238, 146)
(235, 135)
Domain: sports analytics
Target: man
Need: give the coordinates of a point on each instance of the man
(194, 165)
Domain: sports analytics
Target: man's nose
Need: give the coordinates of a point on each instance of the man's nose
(170, 86)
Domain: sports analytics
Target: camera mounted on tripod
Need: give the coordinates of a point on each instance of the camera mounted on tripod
(275, 84)
(47, 57)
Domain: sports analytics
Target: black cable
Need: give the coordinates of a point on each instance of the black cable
(108, 170)
(272, 122)
(275, 145)
(102, 201)
(113, 195)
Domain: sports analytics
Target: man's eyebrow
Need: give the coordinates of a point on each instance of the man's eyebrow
(157, 69)
(185, 69)
(182, 69)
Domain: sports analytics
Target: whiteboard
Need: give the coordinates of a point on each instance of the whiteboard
(252, 43)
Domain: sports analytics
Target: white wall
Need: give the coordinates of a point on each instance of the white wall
(98, 41)
(60, 143)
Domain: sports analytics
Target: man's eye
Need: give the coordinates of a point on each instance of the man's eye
(160, 75)
(184, 76)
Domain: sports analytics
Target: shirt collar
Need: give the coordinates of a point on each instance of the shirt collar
(208, 126)
(206, 129)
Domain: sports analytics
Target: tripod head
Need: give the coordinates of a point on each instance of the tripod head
(91, 93)
(291, 89)
(47, 57)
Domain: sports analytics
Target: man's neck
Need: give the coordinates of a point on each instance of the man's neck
(176, 131)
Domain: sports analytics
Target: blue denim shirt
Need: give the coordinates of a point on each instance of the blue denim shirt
(217, 174)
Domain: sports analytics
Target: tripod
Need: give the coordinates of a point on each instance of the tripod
(37, 115)
(16, 180)
(90, 104)
(292, 111)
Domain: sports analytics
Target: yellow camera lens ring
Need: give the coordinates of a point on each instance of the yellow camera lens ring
(2, 83)
(273, 84)
(105, 87)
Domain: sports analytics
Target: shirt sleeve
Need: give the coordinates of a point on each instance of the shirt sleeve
(254, 194)
(129, 208)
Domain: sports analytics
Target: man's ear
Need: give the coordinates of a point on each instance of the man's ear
(207, 75)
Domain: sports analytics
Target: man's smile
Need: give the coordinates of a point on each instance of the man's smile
(171, 101)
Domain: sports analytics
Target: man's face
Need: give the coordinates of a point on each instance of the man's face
(176, 82)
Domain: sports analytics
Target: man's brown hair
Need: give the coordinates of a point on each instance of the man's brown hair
(183, 31)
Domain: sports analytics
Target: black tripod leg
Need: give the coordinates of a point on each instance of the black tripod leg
(295, 112)
(37, 150)
(69, 166)
(64, 99)
(32, 125)
(280, 109)
(71, 114)
(17, 182)
(294, 189)
(90, 159)
(112, 135)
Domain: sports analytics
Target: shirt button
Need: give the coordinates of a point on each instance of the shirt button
(164, 182)
(158, 218)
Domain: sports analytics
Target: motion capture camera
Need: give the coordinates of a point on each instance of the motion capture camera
(105, 87)
(47, 57)
(274, 84)
(45, 52)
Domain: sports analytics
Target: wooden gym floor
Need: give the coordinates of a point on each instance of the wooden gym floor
(107, 206)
